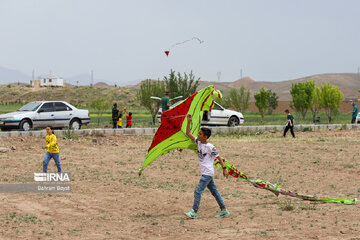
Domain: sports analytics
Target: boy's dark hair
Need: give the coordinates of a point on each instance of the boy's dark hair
(120, 115)
(167, 93)
(287, 110)
(115, 104)
(52, 129)
(130, 113)
(206, 131)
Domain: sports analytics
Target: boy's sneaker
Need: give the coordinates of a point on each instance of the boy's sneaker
(191, 214)
(223, 214)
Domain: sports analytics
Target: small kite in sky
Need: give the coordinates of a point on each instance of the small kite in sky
(180, 43)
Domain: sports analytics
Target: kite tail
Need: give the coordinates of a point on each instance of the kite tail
(275, 188)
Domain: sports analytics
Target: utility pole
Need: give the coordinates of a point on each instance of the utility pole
(241, 74)
(92, 78)
(218, 76)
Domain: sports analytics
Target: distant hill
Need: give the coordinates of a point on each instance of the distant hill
(348, 83)
(13, 76)
(82, 95)
(101, 84)
(83, 80)
(9, 76)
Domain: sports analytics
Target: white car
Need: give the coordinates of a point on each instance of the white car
(357, 118)
(218, 116)
(57, 114)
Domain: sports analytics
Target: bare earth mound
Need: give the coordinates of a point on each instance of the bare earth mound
(109, 200)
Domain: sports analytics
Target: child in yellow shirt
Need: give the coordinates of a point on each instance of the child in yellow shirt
(119, 123)
(52, 150)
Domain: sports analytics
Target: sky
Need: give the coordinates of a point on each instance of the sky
(124, 41)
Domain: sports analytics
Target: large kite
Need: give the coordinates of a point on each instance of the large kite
(171, 135)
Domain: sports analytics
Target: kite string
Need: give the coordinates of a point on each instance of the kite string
(194, 38)
(176, 116)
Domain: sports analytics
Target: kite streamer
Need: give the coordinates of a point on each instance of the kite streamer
(171, 135)
(275, 188)
(180, 43)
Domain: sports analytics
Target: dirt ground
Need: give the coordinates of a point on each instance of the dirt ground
(109, 200)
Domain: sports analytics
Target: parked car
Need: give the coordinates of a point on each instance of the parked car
(357, 118)
(57, 114)
(218, 116)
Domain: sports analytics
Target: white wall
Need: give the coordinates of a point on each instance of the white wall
(54, 82)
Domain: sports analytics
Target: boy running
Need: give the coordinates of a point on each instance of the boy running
(207, 154)
(52, 150)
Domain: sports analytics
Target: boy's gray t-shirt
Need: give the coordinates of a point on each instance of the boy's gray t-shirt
(207, 154)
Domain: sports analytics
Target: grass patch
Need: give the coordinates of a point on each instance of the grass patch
(286, 205)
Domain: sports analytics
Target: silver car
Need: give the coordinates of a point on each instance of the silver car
(218, 116)
(57, 114)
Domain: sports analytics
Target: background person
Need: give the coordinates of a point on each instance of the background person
(119, 123)
(129, 120)
(289, 124)
(114, 115)
(354, 113)
(165, 102)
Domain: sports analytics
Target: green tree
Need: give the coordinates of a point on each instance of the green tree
(262, 101)
(302, 96)
(100, 104)
(179, 85)
(224, 101)
(316, 103)
(240, 100)
(331, 98)
(244, 96)
(234, 99)
(273, 101)
(151, 88)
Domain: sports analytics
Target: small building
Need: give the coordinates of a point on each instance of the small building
(48, 82)
(35, 83)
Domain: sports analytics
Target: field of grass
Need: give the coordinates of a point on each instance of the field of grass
(5, 108)
(142, 117)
